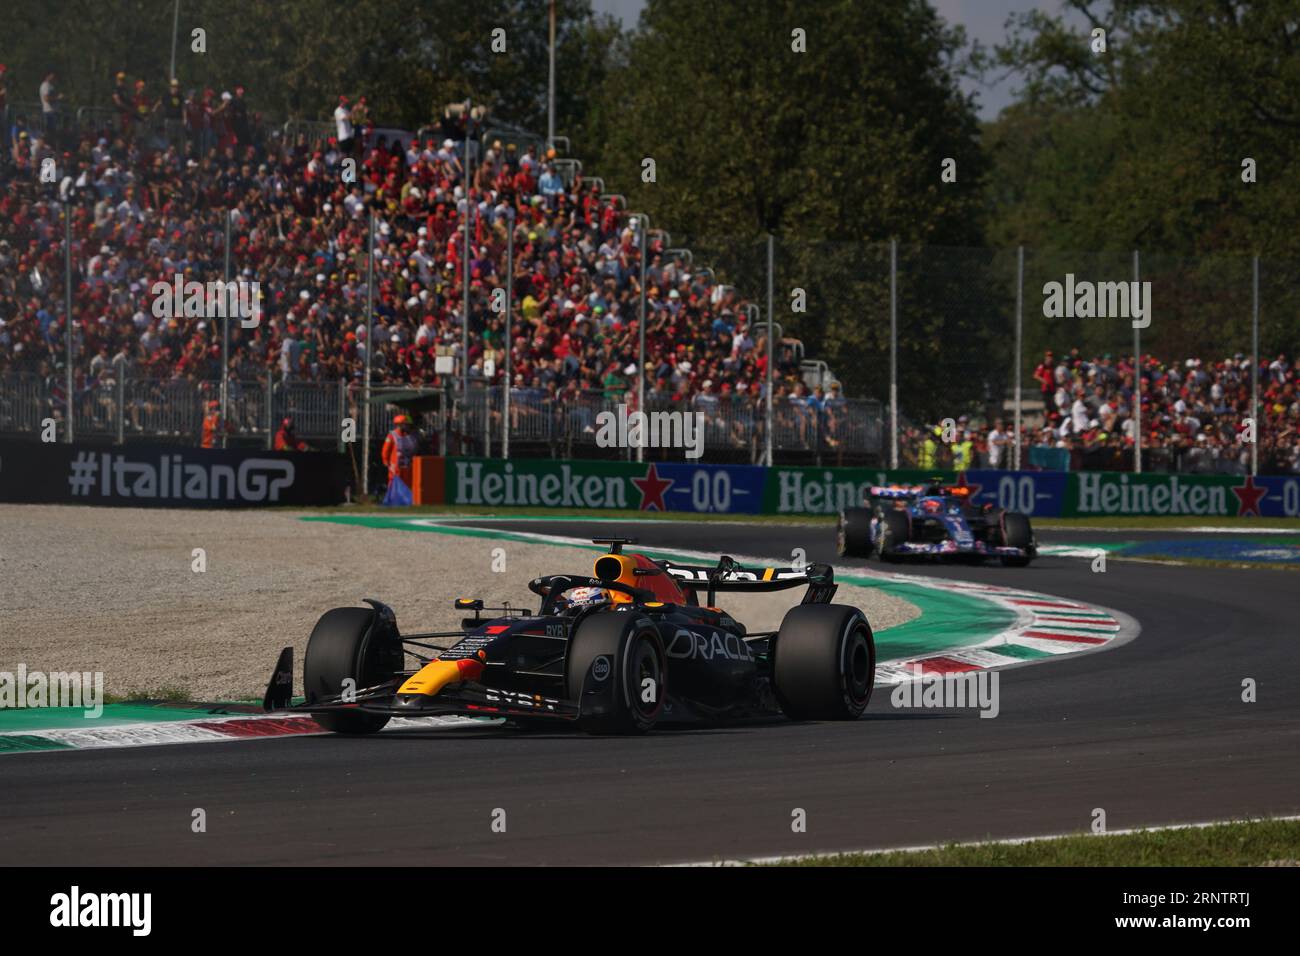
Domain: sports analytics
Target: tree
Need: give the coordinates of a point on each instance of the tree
(843, 141)
(1142, 147)
(295, 59)
(833, 150)
(1144, 144)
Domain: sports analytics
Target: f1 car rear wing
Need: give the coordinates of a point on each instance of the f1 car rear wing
(896, 491)
(728, 575)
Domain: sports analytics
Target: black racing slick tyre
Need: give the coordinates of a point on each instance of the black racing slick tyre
(823, 662)
(853, 534)
(895, 529)
(616, 670)
(1016, 533)
(347, 643)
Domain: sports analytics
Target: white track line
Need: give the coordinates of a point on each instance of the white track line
(1009, 841)
(1206, 529)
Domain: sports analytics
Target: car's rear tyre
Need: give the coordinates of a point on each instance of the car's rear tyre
(823, 662)
(853, 534)
(348, 643)
(1016, 533)
(626, 649)
(895, 529)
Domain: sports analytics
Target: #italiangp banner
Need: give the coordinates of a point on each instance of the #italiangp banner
(751, 489)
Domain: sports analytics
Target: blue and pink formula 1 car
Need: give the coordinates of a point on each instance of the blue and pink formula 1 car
(934, 520)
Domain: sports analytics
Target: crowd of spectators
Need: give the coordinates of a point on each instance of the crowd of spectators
(149, 187)
(1195, 418)
(151, 181)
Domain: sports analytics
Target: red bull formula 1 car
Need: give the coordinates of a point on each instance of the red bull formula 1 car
(618, 651)
(934, 520)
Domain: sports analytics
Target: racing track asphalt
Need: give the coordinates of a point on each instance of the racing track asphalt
(1153, 732)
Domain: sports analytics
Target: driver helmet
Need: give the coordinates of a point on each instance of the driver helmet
(931, 506)
(578, 597)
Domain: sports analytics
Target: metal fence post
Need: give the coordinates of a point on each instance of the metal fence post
(510, 343)
(445, 446)
(67, 312)
(1020, 338)
(171, 75)
(817, 434)
(370, 347)
(270, 412)
(1137, 378)
(225, 336)
(1254, 370)
(464, 289)
(121, 402)
(343, 412)
(640, 359)
(771, 350)
(893, 353)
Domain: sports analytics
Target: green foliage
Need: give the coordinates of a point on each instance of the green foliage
(1142, 146)
(833, 150)
(843, 142)
(409, 60)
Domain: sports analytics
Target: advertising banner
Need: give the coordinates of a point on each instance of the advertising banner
(751, 489)
(825, 491)
(1208, 496)
(1039, 494)
(142, 476)
(599, 485)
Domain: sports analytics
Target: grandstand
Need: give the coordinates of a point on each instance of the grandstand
(1079, 416)
(150, 199)
(211, 189)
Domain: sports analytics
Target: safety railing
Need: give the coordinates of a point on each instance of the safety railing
(729, 427)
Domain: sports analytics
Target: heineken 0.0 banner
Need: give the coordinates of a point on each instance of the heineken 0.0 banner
(1209, 496)
(597, 485)
(829, 490)
(751, 489)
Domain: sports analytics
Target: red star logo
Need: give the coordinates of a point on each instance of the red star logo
(1248, 495)
(963, 483)
(652, 489)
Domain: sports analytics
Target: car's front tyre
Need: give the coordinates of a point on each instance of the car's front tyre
(616, 670)
(348, 643)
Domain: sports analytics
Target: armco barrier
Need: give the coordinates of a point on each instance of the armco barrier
(166, 476)
(752, 489)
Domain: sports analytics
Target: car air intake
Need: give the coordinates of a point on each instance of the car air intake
(609, 568)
